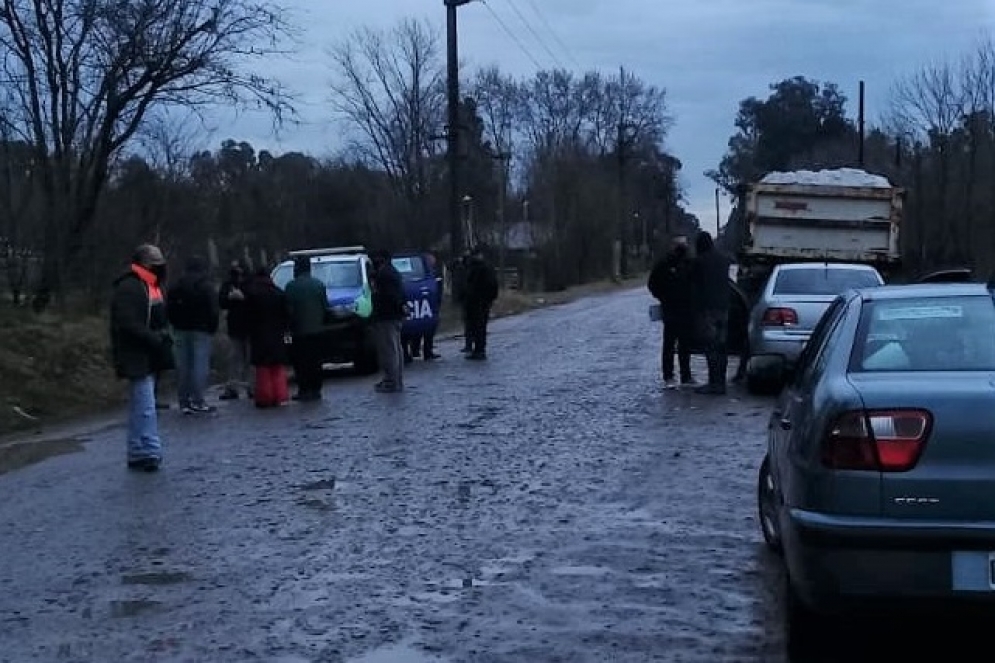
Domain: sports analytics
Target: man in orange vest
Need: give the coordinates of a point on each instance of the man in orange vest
(142, 347)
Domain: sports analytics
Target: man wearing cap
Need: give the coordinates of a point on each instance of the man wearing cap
(481, 291)
(141, 347)
(388, 316)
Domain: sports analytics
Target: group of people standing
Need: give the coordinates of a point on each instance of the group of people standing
(694, 297)
(155, 328)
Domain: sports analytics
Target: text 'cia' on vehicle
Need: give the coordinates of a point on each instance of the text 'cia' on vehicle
(879, 479)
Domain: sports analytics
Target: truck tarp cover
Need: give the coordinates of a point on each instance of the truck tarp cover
(853, 177)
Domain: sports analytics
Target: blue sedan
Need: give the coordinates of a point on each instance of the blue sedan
(879, 477)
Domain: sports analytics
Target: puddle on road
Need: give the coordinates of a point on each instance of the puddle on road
(123, 609)
(18, 455)
(156, 578)
(399, 653)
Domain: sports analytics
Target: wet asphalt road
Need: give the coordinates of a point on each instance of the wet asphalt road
(552, 504)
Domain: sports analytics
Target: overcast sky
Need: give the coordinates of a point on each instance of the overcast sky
(707, 54)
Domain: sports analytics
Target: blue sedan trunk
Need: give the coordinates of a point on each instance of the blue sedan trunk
(955, 476)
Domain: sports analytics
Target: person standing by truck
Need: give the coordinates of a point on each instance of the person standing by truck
(710, 283)
(307, 303)
(388, 317)
(670, 284)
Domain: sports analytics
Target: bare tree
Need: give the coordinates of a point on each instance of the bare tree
(930, 101)
(17, 176)
(86, 73)
(499, 100)
(390, 88)
(167, 141)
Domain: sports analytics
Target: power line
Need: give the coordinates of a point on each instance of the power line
(514, 37)
(551, 31)
(535, 34)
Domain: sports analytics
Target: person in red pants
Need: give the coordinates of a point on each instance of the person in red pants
(269, 321)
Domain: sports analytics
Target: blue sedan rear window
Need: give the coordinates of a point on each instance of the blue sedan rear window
(926, 334)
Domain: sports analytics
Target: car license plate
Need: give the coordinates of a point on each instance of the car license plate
(973, 571)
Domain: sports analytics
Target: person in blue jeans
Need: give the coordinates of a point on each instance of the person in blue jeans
(192, 305)
(142, 348)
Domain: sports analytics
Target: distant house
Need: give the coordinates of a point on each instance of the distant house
(522, 238)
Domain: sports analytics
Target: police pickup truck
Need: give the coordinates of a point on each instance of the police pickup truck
(347, 272)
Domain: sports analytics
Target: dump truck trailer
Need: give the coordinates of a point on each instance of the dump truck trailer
(844, 215)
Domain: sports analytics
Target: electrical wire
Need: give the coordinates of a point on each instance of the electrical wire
(512, 35)
(538, 37)
(549, 28)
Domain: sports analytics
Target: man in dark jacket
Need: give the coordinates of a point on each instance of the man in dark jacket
(388, 317)
(307, 301)
(192, 304)
(670, 284)
(710, 281)
(141, 348)
(232, 299)
(478, 298)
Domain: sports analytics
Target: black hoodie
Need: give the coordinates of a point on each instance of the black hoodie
(710, 275)
(192, 303)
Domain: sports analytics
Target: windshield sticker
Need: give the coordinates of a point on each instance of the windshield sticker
(403, 264)
(920, 313)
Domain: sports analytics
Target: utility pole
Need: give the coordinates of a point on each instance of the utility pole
(622, 216)
(860, 126)
(453, 127)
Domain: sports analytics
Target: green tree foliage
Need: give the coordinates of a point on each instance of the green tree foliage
(798, 119)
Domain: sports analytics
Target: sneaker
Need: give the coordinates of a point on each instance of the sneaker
(201, 408)
(688, 382)
(670, 383)
(386, 388)
(229, 395)
(477, 356)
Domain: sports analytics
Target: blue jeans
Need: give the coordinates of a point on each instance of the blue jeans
(143, 422)
(193, 365)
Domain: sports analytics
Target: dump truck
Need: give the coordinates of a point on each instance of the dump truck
(844, 215)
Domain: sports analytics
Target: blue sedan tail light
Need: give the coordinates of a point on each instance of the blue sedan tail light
(877, 440)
